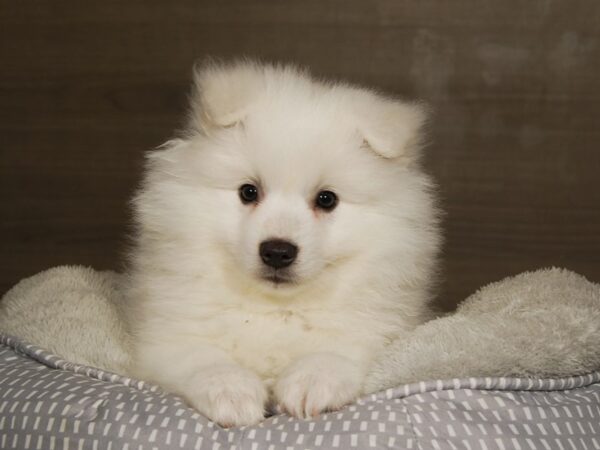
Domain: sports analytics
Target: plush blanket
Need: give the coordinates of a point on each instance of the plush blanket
(537, 324)
(544, 323)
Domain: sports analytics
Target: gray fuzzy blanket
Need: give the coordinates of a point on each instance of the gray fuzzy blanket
(544, 323)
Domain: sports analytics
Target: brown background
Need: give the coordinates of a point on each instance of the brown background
(86, 87)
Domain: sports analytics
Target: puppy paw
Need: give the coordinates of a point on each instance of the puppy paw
(317, 383)
(228, 395)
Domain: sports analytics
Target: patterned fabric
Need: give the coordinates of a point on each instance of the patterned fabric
(49, 403)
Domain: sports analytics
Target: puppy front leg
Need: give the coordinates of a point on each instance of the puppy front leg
(318, 382)
(208, 379)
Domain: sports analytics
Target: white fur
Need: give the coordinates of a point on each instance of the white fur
(198, 308)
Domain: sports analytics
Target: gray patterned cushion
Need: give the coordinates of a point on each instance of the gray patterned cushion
(48, 403)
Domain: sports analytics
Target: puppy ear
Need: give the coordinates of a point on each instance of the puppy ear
(392, 128)
(223, 94)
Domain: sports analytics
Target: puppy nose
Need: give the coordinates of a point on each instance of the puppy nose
(278, 253)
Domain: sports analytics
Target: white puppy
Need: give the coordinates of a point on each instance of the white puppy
(281, 243)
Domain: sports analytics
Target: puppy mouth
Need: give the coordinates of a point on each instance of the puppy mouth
(278, 277)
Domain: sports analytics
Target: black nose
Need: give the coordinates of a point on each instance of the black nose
(278, 253)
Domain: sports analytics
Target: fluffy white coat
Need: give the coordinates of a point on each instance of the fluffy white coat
(204, 323)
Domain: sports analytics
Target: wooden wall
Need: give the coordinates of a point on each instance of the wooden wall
(86, 87)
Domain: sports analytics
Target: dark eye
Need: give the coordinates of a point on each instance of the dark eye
(326, 200)
(248, 193)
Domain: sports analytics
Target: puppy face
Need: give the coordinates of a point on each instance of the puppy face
(282, 180)
(292, 200)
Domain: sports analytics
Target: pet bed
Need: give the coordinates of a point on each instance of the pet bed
(50, 403)
(47, 401)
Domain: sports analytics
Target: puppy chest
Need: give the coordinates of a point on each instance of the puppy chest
(268, 343)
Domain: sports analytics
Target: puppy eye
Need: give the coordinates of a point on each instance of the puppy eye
(248, 193)
(326, 200)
